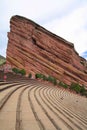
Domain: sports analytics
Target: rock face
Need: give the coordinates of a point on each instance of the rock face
(37, 50)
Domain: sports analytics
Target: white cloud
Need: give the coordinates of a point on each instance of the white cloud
(72, 28)
(3, 43)
(65, 18)
(35, 9)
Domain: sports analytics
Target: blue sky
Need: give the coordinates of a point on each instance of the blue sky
(66, 18)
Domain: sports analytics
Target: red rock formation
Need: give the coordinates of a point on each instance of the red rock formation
(37, 50)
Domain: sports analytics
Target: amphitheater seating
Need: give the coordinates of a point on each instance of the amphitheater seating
(31, 104)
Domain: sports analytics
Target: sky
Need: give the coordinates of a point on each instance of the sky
(65, 18)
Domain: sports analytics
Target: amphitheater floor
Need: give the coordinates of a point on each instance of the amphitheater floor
(33, 105)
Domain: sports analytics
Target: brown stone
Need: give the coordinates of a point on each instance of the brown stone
(37, 50)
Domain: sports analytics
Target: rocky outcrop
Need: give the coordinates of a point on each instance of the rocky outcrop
(37, 50)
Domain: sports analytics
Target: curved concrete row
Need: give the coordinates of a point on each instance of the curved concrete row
(37, 106)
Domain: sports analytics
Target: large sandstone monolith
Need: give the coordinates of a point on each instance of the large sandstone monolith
(37, 50)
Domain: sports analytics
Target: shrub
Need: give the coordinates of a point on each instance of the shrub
(41, 76)
(22, 72)
(15, 70)
(82, 89)
(30, 76)
(49, 78)
(44, 77)
(63, 84)
(76, 87)
(38, 76)
(18, 71)
(79, 89)
(52, 80)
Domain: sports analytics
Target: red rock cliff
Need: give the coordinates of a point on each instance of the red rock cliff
(37, 50)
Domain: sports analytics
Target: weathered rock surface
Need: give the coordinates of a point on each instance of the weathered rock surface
(37, 50)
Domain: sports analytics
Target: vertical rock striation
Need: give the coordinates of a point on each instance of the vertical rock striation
(37, 50)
